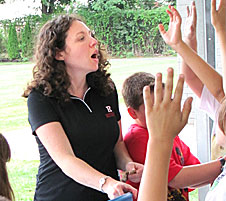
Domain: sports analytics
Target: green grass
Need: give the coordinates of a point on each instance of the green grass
(193, 196)
(13, 109)
(13, 79)
(122, 68)
(22, 175)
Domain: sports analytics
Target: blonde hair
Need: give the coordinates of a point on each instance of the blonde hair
(222, 116)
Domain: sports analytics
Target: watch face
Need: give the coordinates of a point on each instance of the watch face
(102, 180)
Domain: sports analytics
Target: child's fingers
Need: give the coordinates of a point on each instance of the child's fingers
(213, 6)
(179, 90)
(222, 3)
(169, 85)
(193, 10)
(193, 6)
(158, 88)
(162, 29)
(170, 14)
(186, 110)
(147, 98)
(176, 15)
(188, 11)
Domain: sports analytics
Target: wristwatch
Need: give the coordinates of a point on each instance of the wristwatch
(222, 161)
(102, 181)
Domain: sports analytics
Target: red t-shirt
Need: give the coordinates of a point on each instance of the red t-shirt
(136, 142)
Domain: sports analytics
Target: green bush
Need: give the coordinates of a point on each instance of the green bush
(3, 43)
(126, 30)
(13, 45)
(27, 43)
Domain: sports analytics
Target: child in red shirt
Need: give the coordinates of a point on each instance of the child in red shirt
(185, 170)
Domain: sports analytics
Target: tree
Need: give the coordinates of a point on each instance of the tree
(3, 43)
(50, 6)
(27, 44)
(13, 45)
(131, 4)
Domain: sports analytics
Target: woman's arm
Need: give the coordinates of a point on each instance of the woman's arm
(58, 146)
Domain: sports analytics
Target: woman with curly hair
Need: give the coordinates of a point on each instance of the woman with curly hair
(5, 155)
(74, 115)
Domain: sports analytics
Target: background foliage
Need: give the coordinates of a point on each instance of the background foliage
(27, 41)
(126, 28)
(127, 32)
(13, 45)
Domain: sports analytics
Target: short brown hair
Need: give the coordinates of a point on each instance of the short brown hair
(132, 89)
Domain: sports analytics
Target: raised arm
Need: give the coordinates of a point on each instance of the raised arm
(190, 39)
(205, 72)
(218, 19)
(162, 130)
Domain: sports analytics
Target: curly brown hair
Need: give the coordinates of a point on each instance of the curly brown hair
(50, 75)
(5, 155)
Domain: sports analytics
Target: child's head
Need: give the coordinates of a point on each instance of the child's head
(5, 155)
(132, 92)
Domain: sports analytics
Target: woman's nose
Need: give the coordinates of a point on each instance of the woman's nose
(93, 42)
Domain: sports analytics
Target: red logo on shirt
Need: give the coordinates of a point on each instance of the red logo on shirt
(110, 112)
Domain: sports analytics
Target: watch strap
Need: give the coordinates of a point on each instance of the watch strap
(222, 161)
(102, 181)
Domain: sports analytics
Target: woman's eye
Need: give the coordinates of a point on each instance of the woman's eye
(82, 38)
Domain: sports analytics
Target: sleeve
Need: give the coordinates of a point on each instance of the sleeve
(136, 146)
(177, 161)
(174, 169)
(113, 100)
(118, 115)
(189, 158)
(217, 191)
(40, 110)
(208, 103)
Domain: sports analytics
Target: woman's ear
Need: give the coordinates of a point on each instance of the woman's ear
(132, 112)
(59, 55)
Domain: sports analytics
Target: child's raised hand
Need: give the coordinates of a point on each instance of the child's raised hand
(218, 17)
(164, 116)
(190, 24)
(173, 35)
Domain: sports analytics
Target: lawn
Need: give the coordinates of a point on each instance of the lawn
(13, 79)
(13, 109)
(121, 69)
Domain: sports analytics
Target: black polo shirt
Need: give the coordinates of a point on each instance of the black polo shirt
(91, 126)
